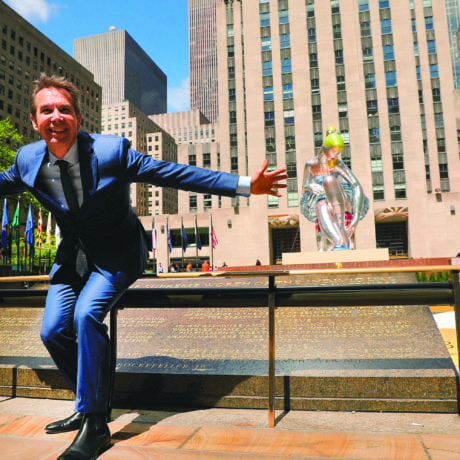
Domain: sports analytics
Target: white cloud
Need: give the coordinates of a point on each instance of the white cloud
(33, 10)
(179, 97)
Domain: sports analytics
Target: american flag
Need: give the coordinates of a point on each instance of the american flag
(214, 239)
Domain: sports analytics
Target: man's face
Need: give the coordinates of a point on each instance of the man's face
(56, 120)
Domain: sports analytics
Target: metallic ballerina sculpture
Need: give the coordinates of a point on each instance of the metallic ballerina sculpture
(333, 197)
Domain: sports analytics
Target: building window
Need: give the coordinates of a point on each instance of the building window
(231, 73)
(393, 105)
(378, 192)
(431, 46)
(287, 91)
(429, 22)
(206, 160)
(363, 5)
(365, 29)
(264, 19)
(416, 52)
(434, 71)
(395, 133)
(372, 107)
(385, 26)
(266, 68)
(441, 143)
(269, 118)
(436, 94)
(283, 16)
(313, 60)
(266, 43)
(230, 51)
(400, 191)
(272, 201)
(232, 94)
(288, 117)
(438, 120)
(398, 162)
(192, 160)
(315, 85)
(443, 171)
(384, 4)
(370, 80)
(374, 135)
(312, 35)
(207, 201)
(292, 199)
(286, 66)
(316, 111)
(390, 78)
(230, 30)
(232, 116)
(337, 31)
(388, 53)
(338, 56)
(268, 93)
(285, 41)
(368, 54)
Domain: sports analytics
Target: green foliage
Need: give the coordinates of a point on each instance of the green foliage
(10, 141)
(439, 277)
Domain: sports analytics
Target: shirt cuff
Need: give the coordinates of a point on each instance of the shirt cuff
(244, 186)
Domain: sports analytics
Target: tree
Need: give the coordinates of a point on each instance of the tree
(8, 137)
(10, 141)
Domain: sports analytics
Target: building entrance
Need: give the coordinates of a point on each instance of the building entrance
(284, 240)
(392, 235)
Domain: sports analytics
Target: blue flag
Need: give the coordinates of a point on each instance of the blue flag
(4, 224)
(197, 236)
(184, 238)
(168, 236)
(30, 232)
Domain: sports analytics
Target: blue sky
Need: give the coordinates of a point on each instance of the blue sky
(159, 27)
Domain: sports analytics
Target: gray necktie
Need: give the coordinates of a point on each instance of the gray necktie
(81, 263)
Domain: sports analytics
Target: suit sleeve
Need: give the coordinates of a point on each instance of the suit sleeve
(143, 168)
(11, 182)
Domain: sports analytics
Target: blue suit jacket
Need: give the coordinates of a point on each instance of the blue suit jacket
(106, 225)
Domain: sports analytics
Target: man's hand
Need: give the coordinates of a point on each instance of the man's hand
(267, 183)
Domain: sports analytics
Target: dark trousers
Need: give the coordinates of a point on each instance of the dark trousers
(74, 332)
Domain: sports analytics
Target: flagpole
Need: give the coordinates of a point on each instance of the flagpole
(212, 245)
(182, 238)
(167, 244)
(196, 244)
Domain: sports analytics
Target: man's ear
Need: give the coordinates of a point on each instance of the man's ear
(34, 123)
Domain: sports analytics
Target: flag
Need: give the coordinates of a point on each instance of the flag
(48, 231)
(29, 236)
(58, 236)
(40, 228)
(154, 238)
(4, 224)
(212, 233)
(197, 236)
(184, 238)
(15, 222)
(168, 236)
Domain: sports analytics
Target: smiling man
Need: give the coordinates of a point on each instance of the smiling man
(84, 180)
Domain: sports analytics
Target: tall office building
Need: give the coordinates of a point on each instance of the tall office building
(25, 53)
(378, 70)
(124, 70)
(453, 22)
(203, 57)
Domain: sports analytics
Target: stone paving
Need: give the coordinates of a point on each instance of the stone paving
(235, 434)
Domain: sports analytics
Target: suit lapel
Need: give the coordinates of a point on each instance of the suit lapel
(88, 165)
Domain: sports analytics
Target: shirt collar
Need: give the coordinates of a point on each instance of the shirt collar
(71, 156)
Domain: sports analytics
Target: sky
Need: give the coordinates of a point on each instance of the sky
(160, 28)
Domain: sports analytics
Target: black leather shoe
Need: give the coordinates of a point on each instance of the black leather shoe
(91, 441)
(68, 424)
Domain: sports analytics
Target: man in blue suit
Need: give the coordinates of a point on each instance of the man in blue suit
(84, 180)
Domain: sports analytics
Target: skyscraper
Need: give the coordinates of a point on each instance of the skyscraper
(380, 71)
(203, 57)
(124, 70)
